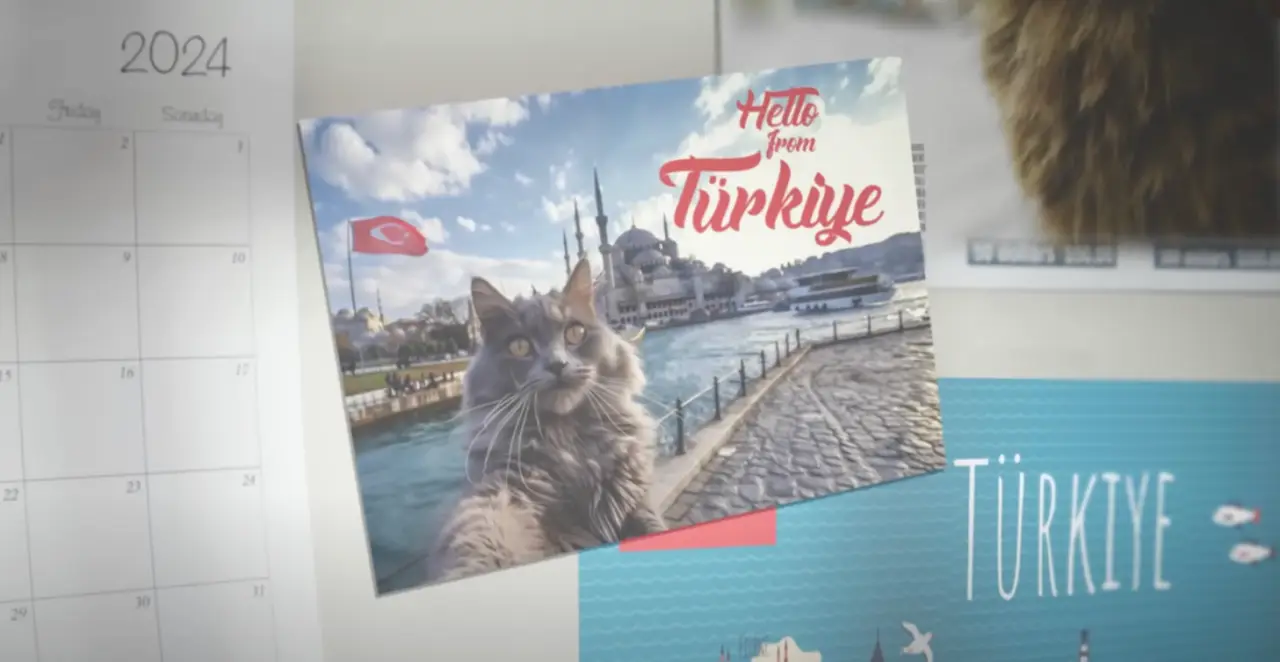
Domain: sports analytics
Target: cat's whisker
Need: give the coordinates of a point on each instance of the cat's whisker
(618, 393)
(462, 413)
(519, 440)
(537, 420)
(599, 405)
(622, 388)
(513, 442)
(504, 401)
(505, 481)
(522, 404)
(503, 404)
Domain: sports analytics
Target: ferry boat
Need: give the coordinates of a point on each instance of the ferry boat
(755, 305)
(839, 290)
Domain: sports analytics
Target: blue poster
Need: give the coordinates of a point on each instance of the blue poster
(1076, 520)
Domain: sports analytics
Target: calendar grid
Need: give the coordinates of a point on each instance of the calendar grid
(142, 377)
(148, 359)
(154, 348)
(257, 419)
(170, 472)
(136, 590)
(22, 442)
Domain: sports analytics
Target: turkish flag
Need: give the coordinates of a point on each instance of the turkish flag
(387, 235)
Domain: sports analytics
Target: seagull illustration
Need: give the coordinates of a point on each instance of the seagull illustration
(919, 642)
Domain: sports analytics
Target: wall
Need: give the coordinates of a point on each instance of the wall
(380, 54)
(355, 57)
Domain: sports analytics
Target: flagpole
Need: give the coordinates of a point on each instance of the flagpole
(351, 276)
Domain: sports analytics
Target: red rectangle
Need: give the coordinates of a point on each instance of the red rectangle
(758, 529)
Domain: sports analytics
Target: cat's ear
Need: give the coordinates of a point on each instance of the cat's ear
(579, 289)
(488, 301)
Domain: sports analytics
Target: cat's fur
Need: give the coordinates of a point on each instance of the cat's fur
(1139, 119)
(567, 465)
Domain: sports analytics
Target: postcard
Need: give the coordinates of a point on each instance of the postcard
(1010, 202)
(567, 320)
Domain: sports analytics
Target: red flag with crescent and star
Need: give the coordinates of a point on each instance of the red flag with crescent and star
(387, 235)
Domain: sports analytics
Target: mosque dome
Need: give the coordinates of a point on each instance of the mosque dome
(662, 272)
(635, 238)
(649, 258)
(765, 285)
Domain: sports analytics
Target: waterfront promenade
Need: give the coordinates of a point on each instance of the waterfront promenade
(834, 416)
(377, 406)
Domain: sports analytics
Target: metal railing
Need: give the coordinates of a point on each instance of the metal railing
(690, 413)
(873, 325)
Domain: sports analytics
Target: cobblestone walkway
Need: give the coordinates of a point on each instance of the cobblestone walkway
(850, 415)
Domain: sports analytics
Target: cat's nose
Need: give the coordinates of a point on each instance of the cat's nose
(556, 367)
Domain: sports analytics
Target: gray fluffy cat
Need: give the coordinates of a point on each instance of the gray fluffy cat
(559, 454)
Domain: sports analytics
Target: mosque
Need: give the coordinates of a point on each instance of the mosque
(645, 281)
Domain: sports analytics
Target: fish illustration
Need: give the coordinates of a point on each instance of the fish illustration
(1234, 515)
(1250, 552)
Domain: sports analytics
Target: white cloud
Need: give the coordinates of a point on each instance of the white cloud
(405, 155)
(560, 175)
(712, 139)
(718, 92)
(523, 179)
(883, 72)
(405, 283)
(848, 152)
(491, 141)
(432, 228)
(560, 210)
(844, 82)
(508, 227)
(467, 224)
(544, 101)
(486, 227)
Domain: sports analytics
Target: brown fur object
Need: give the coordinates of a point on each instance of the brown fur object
(1139, 119)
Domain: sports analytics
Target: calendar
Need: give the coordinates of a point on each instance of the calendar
(146, 308)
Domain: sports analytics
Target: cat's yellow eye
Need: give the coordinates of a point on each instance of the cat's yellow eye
(574, 333)
(519, 347)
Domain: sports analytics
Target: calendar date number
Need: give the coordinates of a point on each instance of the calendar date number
(11, 494)
(17, 614)
(162, 52)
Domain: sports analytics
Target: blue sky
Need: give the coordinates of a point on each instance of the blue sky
(492, 183)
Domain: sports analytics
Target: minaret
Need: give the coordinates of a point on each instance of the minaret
(606, 251)
(1084, 646)
(568, 270)
(877, 655)
(381, 318)
(577, 226)
(666, 229)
